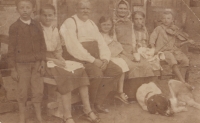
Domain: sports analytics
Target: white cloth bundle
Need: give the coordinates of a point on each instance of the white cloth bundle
(152, 58)
(70, 65)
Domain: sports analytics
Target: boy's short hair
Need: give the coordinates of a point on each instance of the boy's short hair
(48, 6)
(139, 13)
(168, 13)
(31, 1)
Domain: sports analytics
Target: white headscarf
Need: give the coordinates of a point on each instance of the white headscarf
(116, 16)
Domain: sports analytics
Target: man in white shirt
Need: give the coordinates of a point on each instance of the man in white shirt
(85, 44)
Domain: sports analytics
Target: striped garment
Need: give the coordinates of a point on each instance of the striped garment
(142, 37)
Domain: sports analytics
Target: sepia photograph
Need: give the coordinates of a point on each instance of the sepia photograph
(99, 61)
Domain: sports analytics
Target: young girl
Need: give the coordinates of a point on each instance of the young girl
(66, 81)
(123, 29)
(142, 38)
(141, 34)
(106, 28)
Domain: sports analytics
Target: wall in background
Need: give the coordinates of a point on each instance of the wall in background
(66, 8)
(8, 16)
(193, 23)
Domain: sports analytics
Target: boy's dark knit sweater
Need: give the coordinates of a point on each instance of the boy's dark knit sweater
(26, 43)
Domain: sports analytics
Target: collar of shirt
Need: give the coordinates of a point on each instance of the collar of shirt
(47, 28)
(26, 22)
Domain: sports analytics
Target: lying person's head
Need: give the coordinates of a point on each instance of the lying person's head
(158, 104)
(25, 8)
(138, 18)
(83, 9)
(167, 18)
(122, 9)
(47, 14)
(106, 25)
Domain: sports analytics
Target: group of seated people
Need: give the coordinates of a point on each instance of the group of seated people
(109, 53)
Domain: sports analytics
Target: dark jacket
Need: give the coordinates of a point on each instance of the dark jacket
(26, 43)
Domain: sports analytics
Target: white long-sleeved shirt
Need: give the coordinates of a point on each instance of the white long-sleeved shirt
(87, 31)
(52, 40)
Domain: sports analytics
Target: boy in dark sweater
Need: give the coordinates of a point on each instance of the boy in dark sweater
(26, 53)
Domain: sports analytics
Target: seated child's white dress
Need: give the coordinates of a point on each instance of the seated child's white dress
(116, 48)
(142, 37)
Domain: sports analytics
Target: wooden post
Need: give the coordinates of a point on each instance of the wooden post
(38, 7)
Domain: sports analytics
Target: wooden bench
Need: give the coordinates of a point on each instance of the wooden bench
(54, 103)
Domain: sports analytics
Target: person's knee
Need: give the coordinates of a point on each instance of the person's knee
(171, 61)
(185, 62)
(94, 72)
(113, 70)
(97, 73)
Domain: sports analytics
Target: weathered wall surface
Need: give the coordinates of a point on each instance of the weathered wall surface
(8, 15)
(193, 23)
(66, 8)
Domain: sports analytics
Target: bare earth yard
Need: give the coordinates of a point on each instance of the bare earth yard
(132, 113)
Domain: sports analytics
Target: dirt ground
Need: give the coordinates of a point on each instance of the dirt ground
(132, 113)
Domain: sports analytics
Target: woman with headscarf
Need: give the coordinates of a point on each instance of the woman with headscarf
(123, 30)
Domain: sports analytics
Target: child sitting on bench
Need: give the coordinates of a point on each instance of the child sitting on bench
(106, 29)
(66, 81)
(163, 39)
